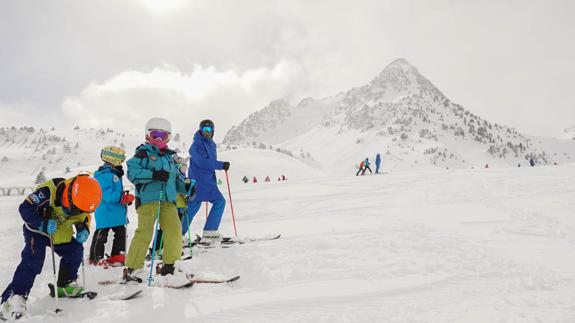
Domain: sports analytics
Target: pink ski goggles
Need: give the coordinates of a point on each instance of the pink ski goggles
(159, 135)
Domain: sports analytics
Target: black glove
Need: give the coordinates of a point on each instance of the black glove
(119, 171)
(47, 213)
(226, 166)
(161, 175)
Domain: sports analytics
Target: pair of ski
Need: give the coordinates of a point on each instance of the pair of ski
(228, 241)
(191, 281)
(122, 296)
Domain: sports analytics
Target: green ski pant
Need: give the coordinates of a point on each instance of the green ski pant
(170, 224)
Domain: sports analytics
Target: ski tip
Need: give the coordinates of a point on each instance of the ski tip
(233, 279)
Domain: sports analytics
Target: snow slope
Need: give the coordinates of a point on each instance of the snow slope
(418, 245)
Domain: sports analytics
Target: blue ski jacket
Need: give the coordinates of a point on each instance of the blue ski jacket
(111, 213)
(203, 164)
(147, 159)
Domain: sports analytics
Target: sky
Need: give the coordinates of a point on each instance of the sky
(116, 63)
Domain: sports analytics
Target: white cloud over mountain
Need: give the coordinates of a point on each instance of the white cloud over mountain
(128, 99)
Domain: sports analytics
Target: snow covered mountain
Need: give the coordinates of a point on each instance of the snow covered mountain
(26, 153)
(400, 114)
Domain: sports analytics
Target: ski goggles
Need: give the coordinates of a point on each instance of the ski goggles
(159, 135)
(207, 129)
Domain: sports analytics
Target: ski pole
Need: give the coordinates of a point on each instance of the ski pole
(55, 278)
(189, 234)
(84, 276)
(206, 210)
(161, 249)
(150, 279)
(231, 204)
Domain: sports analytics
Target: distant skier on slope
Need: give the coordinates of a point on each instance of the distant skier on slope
(360, 168)
(204, 163)
(112, 212)
(50, 214)
(157, 179)
(366, 166)
(377, 163)
(532, 162)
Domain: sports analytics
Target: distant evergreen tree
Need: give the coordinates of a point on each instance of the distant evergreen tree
(40, 178)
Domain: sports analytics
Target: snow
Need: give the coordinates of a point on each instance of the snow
(411, 245)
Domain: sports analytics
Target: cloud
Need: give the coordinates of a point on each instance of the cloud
(127, 100)
(20, 114)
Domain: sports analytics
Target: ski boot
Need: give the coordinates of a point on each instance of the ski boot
(13, 308)
(211, 237)
(130, 275)
(167, 269)
(71, 290)
(116, 260)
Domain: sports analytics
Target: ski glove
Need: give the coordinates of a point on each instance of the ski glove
(226, 166)
(161, 175)
(82, 235)
(127, 198)
(48, 226)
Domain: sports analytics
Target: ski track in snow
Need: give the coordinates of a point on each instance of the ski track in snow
(480, 245)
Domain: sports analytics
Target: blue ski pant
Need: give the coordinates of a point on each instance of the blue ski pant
(33, 255)
(214, 218)
(377, 168)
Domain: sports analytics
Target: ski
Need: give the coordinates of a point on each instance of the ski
(228, 241)
(212, 281)
(191, 278)
(181, 286)
(126, 296)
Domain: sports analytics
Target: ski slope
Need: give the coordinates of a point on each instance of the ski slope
(475, 245)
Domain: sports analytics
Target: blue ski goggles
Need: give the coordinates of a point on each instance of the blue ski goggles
(207, 129)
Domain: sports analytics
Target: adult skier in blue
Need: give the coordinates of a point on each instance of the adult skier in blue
(377, 163)
(203, 164)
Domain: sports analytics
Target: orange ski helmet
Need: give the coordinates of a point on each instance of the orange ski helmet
(82, 194)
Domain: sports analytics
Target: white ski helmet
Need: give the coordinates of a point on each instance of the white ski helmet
(158, 124)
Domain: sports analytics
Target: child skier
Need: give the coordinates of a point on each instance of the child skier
(156, 176)
(366, 166)
(112, 212)
(361, 164)
(50, 215)
(204, 162)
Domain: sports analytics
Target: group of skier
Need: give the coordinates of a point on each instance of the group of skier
(364, 165)
(246, 180)
(164, 193)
